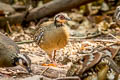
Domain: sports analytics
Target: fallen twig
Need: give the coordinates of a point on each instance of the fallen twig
(69, 78)
(23, 42)
(114, 36)
(44, 71)
(113, 65)
(86, 37)
(96, 40)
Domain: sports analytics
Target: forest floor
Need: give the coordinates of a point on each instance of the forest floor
(88, 34)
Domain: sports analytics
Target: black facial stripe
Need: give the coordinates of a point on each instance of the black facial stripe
(56, 17)
(27, 58)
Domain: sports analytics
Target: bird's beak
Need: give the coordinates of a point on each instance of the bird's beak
(65, 20)
(69, 19)
(28, 69)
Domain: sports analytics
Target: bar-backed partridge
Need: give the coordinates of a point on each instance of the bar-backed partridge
(10, 55)
(53, 35)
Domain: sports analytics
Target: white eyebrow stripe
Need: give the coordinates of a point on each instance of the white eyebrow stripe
(22, 56)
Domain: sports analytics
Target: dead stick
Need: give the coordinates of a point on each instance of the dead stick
(44, 71)
(69, 78)
(97, 40)
(114, 36)
(55, 6)
(23, 42)
(113, 65)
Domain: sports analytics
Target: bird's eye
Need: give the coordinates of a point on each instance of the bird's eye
(62, 17)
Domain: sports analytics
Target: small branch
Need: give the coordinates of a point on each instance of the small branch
(96, 40)
(114, 36)
(23, 42)
(69, 78)
(113, 65)
(44, 71)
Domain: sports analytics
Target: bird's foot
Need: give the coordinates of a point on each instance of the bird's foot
(53, 63)
(57, 64)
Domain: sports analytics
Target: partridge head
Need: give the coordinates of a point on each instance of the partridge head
(24, 61)
(61, 18)
(10, 55)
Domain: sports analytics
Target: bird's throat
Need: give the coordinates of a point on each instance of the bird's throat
(58, 24)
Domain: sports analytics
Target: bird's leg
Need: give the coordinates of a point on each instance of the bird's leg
(54, 54)
(51, 55)
(52, 58)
